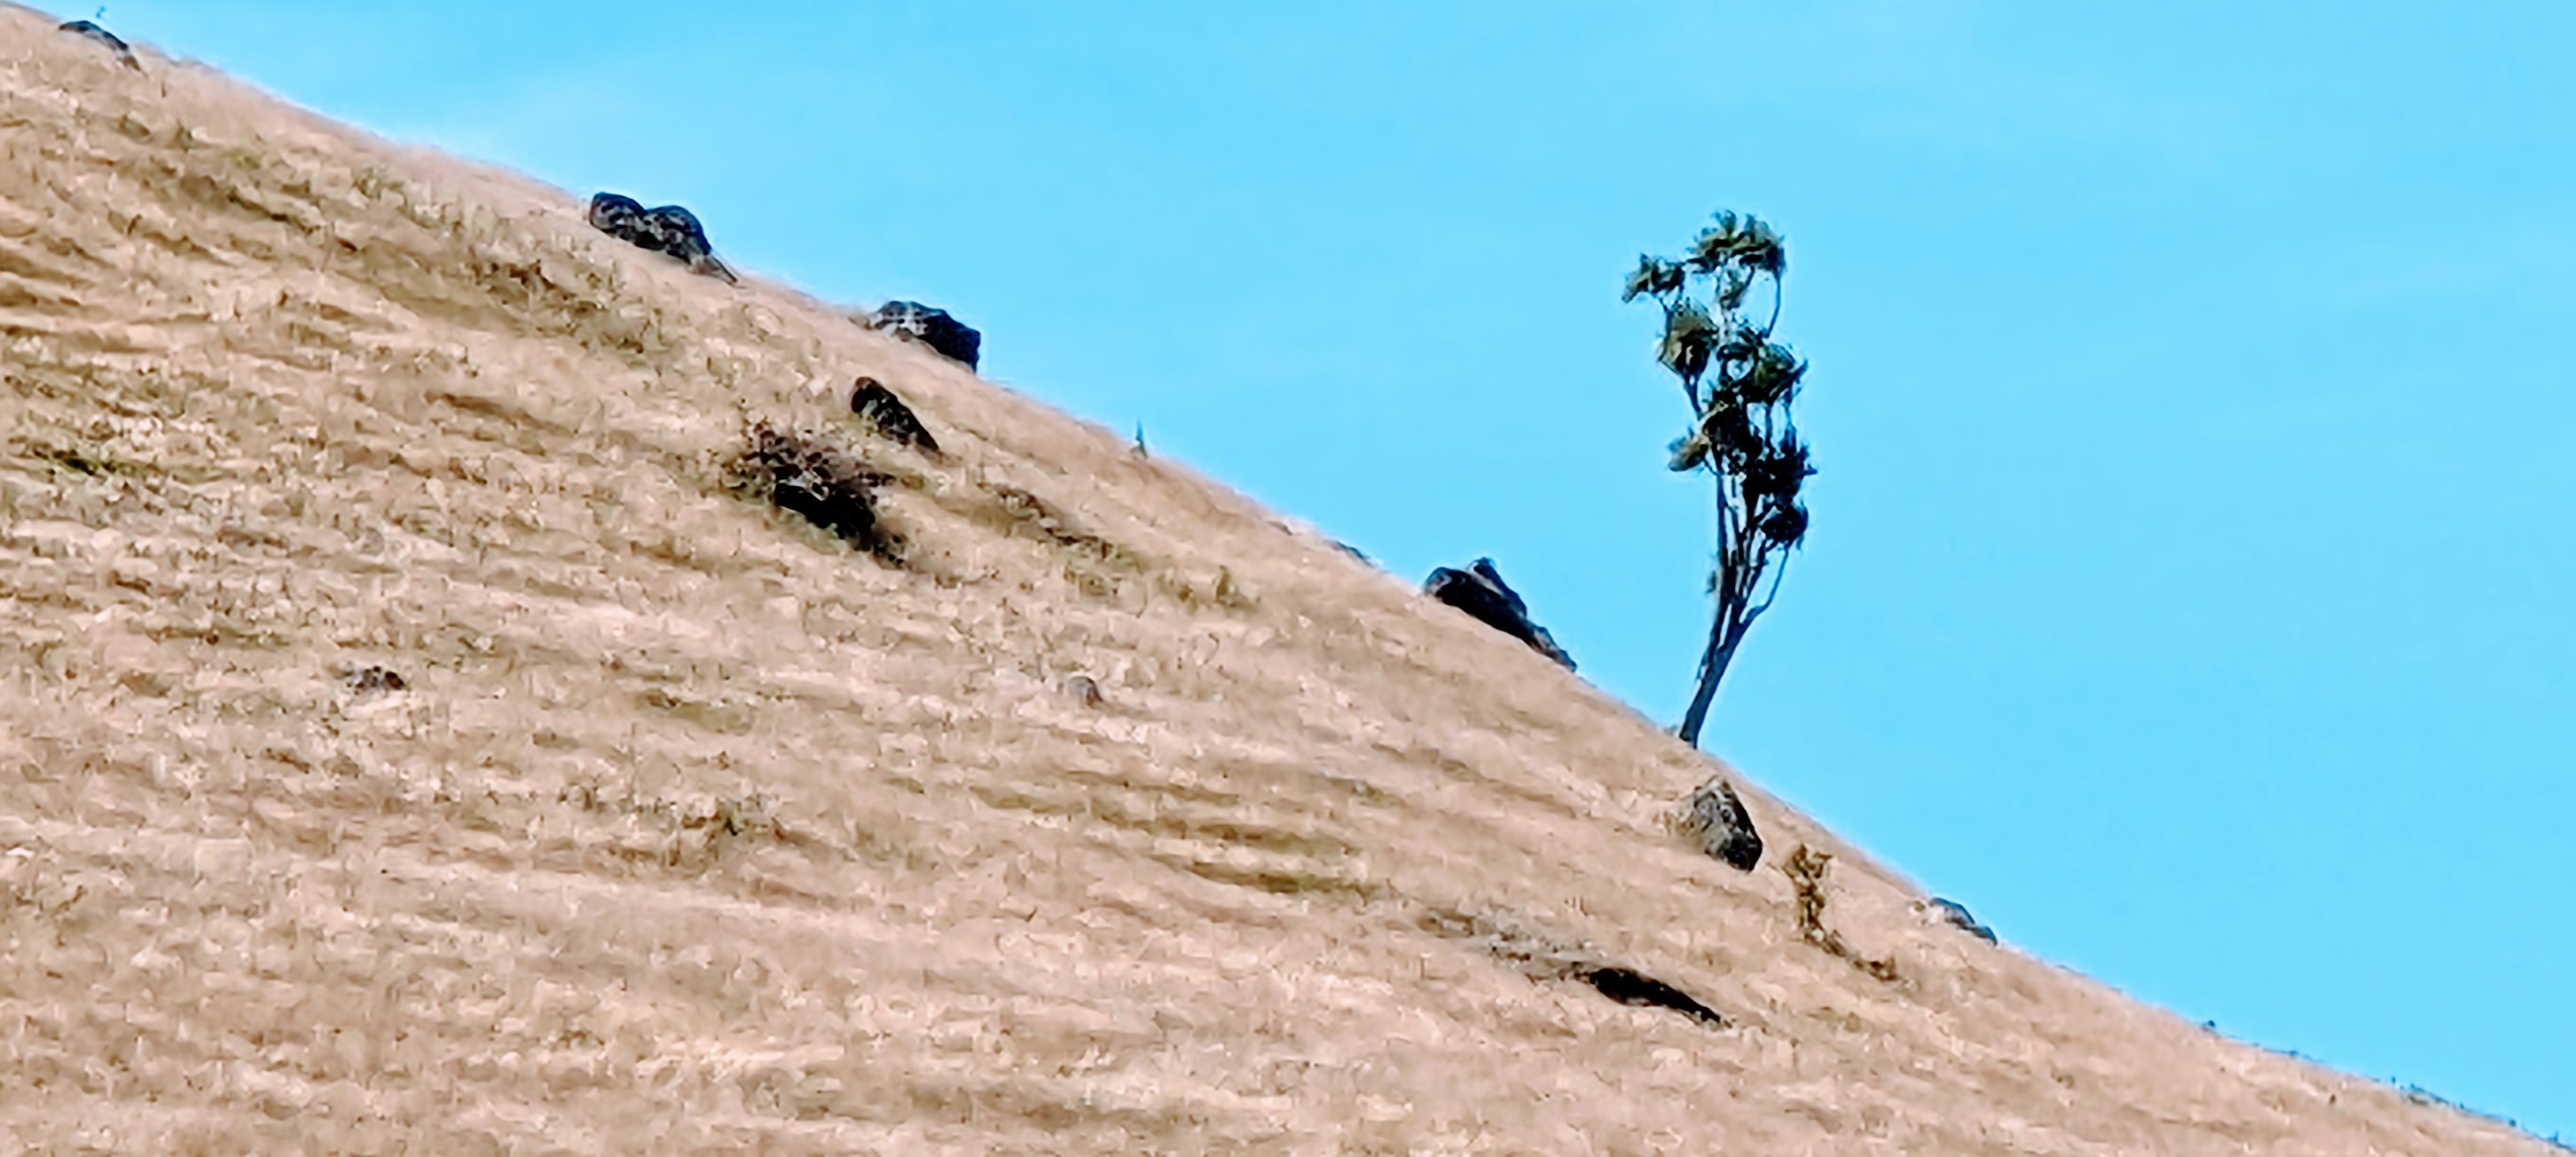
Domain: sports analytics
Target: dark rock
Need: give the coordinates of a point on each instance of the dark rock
(1085, 690)
(1717, 819)
(1481, 592)
(880, 409)
(374, 679)
(123, 51)
(1955, 914)
(945, 335)
(668, 229)
(1630, 987)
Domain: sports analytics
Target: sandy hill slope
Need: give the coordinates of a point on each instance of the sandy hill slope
(694, 828)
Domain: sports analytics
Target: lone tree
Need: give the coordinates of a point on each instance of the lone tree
(1740, 384)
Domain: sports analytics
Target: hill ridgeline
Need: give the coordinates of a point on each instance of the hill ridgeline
(474, 686)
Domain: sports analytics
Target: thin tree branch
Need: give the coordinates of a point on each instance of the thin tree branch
(1774, 592)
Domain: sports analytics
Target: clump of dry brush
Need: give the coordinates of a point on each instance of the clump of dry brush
(812, 476)
(1806, 871)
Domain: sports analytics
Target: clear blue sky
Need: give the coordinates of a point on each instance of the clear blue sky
(2190, 587)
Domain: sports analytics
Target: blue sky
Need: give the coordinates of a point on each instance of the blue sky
(2189, 591)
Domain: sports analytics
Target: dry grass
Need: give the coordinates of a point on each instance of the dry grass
(689, 830)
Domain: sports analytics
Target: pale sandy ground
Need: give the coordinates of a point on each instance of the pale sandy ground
(699, 831)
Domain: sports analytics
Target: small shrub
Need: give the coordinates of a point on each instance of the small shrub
(1805, 868)
(1094, 565)
(1037, 518)
(807, 475)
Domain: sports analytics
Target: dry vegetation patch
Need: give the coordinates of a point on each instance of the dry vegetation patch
(812, 476)
(1805, 868)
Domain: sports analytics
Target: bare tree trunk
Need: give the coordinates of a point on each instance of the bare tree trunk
(1712, 669)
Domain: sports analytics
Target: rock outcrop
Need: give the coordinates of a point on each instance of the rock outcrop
(886, 414)
(1481, 592)
(1955, 914)
(1715, 818)
(931, 326)
(667, 229)
(124, 52)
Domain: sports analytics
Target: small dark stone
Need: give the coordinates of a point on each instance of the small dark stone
(669, 230)
(1630, 987)
(1717, 819)
(944, 334)
(1955, 914)
(1084, 690)
(375, 679)
(123, 51)
(880, 408)
(1481, 592)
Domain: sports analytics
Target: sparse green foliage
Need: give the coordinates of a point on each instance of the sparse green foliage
(1740, 385)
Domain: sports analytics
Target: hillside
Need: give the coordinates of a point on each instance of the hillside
(690, 827)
